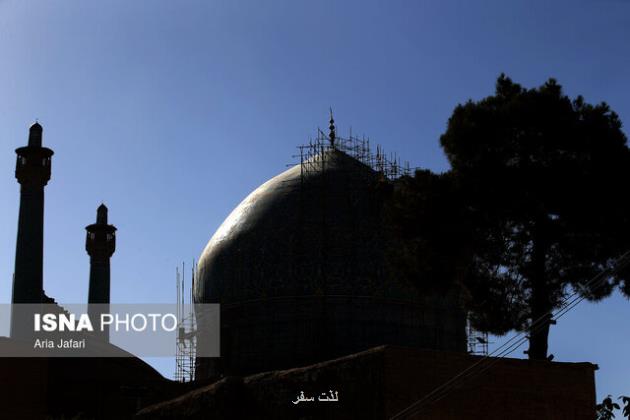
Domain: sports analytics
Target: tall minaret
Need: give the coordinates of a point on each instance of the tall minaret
(33, 173)
(100, 244)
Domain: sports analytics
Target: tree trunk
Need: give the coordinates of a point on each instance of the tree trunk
(539, 336)
(540, 303)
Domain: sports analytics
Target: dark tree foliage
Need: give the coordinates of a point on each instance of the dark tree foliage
(436, 238)
(428, 216)
(544, 182)
(606, 409)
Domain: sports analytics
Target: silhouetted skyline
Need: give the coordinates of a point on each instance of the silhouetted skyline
(172, 115)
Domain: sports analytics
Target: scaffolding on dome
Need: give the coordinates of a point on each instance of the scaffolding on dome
(477, 340)
(186, 339)
(313, 154)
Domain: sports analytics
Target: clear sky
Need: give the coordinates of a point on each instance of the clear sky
(172, 112)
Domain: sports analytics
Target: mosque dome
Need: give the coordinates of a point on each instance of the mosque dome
(313, 229)
(300, 269)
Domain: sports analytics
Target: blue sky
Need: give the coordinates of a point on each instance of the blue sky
(172, 112)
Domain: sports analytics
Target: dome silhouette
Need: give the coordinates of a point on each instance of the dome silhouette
(301, 270)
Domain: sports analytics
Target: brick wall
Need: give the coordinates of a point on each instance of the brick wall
(378, 383)
(509, 389)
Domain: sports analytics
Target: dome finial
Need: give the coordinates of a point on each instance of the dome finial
(331, 135)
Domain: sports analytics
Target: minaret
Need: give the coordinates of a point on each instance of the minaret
(100, 244)
(32, 171)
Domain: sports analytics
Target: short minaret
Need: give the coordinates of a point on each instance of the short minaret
(100, 244)
(32, 171)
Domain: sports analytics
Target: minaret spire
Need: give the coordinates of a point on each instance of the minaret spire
(101, 214)
(35, 135)
(332, 135)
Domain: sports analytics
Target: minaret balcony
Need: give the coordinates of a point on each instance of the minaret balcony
(33, 165)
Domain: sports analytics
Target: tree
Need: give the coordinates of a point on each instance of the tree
(428, 217)
(606, 409)
(544, 180)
